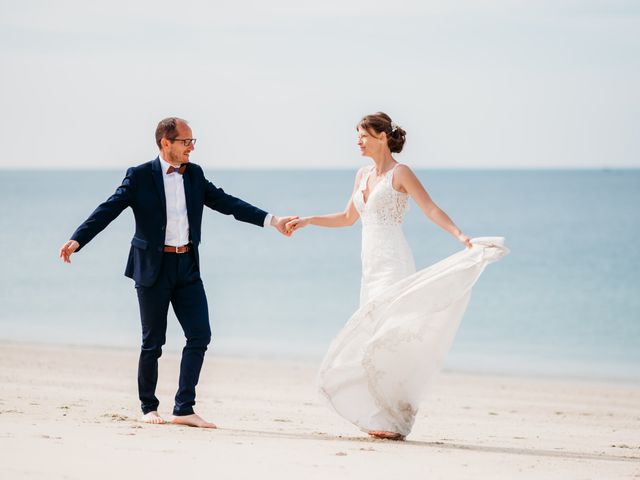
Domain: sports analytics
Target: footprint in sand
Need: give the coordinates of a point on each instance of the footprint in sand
(116, 417)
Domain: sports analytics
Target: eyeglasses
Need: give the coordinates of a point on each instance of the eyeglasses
(185, 141)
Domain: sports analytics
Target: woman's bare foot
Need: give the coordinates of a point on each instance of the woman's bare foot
(152, 417)
(192, 420)
(387, 435)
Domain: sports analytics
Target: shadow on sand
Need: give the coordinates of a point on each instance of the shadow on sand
(535, 452)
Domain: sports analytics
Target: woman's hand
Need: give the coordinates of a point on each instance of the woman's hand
(466, 241)
(297, 223)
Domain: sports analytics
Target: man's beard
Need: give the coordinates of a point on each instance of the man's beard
(176, 158)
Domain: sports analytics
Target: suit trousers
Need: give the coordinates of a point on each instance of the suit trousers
(180, 285)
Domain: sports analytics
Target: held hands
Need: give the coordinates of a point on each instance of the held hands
(297, 223)
(280, 223)
(67, 249)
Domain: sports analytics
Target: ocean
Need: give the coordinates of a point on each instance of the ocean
(564, 303)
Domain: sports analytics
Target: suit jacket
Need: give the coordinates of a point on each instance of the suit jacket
(143, 190)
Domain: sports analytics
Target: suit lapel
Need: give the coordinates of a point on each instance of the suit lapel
(156, 170)
(186, 178)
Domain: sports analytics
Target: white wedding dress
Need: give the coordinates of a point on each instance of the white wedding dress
(379, 365)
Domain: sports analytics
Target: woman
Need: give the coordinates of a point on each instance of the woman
(377, 367)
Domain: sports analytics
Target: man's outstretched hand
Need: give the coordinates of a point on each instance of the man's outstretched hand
(281, 222)
(67, 249)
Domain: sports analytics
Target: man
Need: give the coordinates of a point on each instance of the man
(167, 196)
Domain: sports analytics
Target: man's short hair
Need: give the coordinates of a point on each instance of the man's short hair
(168, 128)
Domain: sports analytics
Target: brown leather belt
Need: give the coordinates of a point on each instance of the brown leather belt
(182, 249)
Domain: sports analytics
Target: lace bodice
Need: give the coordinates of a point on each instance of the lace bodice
(385, 205)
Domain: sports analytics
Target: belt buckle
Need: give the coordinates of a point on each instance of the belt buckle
(177, 249)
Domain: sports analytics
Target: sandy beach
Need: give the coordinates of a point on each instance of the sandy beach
(72, 413)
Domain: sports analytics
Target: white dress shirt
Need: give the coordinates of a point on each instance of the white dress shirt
(177, 232)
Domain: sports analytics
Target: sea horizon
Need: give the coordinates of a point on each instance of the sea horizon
(353, 168)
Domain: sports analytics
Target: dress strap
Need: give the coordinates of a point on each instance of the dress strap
(365, 178)
(391, 172)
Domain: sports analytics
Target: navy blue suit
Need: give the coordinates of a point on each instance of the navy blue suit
(166, 278)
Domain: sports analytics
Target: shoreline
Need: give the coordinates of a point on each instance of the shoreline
(314, 361)
(66, 412)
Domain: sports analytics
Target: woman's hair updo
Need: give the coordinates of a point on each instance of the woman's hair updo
(381, 122)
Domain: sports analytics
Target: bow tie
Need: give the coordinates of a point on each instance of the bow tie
(180, 169)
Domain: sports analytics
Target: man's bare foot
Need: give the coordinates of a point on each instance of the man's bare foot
(152, 417)
(192, 420)
(387, 435)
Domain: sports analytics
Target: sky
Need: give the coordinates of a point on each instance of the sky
(282, 83)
